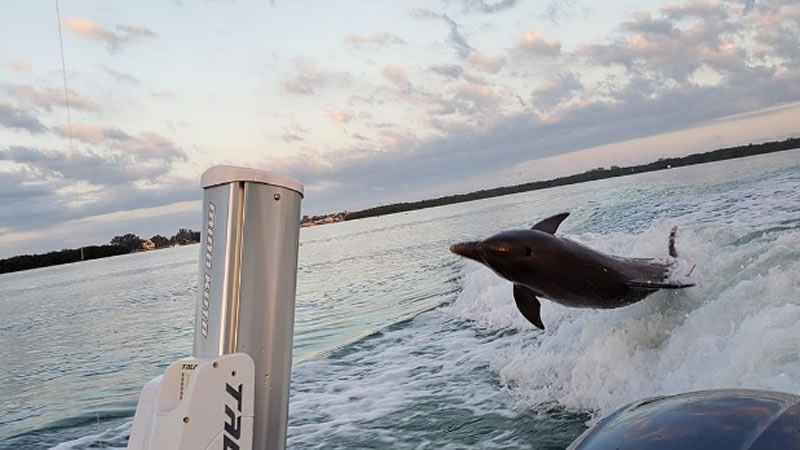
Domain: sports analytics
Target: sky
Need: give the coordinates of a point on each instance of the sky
(364, 102)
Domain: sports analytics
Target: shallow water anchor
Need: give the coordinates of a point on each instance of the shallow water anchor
(244, 323)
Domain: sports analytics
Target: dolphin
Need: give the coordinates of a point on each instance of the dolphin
(541, 264)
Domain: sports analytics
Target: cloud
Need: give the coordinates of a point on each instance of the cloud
(93, 135)
(454, 38)
(145, 148)
(354, 99)
(136, 30)
(644, 23)
(46, 98)
(560, 89)
(19, 65)
(558, 10)
(162, 94)
(532, 43)
(92, 30)
(153, 147)
(396, 74)
(376, 40)
(307, 79)
(17, 119)
(447, 70)
(458, 41)
(94, 168)
(292, 133)
(695, 8)
(120, 76)
(778, 31)
(482, 97)
(340, 116)
(435, 101)
(489, 7)
(672, 45)
(19, 186)
(471, 99)
(487, 63)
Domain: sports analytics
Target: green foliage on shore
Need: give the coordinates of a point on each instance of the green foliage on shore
(25, 262)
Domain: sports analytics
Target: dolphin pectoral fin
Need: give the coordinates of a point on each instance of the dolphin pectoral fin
(654, 286)
(550, 225)
(528, 305)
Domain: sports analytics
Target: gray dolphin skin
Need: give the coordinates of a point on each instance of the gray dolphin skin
(541, 264)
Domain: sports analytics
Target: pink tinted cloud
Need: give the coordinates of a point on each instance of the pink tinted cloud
(92, 30)
(340, 116)
(487, 63)
(46, 98)
(396, 74)
(19, 65)
(533, 42)
(378, 39)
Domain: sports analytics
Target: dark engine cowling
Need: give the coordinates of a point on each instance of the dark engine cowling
(727, 419)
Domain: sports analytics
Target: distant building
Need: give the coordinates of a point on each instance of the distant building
(319, 220)
(148, 245)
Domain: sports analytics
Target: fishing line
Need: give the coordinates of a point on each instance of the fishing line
(66, 94)
(64, 75)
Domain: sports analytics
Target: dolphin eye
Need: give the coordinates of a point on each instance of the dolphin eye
(527, 251)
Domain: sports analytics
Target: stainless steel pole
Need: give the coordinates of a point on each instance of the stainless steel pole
(247, 279)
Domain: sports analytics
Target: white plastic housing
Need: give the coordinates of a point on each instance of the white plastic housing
(197, 404)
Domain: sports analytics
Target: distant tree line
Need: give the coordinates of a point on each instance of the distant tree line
(591, 175)
(25, 262)
(119, 245)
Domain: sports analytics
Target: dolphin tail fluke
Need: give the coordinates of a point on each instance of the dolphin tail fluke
(528, 305)
(672, 251)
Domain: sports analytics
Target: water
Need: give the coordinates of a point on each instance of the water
(399, 344)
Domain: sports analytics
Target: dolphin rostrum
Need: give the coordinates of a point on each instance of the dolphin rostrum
(541, 264)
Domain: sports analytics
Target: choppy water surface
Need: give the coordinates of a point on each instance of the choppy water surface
(401, 345)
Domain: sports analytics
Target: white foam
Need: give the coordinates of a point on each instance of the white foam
(113, 438)
(395, 373)
(737, 328)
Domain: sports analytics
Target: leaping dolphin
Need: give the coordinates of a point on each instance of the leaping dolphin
(541, 264)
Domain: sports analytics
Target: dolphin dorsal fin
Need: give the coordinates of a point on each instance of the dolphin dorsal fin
(550, 225)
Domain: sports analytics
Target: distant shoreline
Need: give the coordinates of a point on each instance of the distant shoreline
(591, 175)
